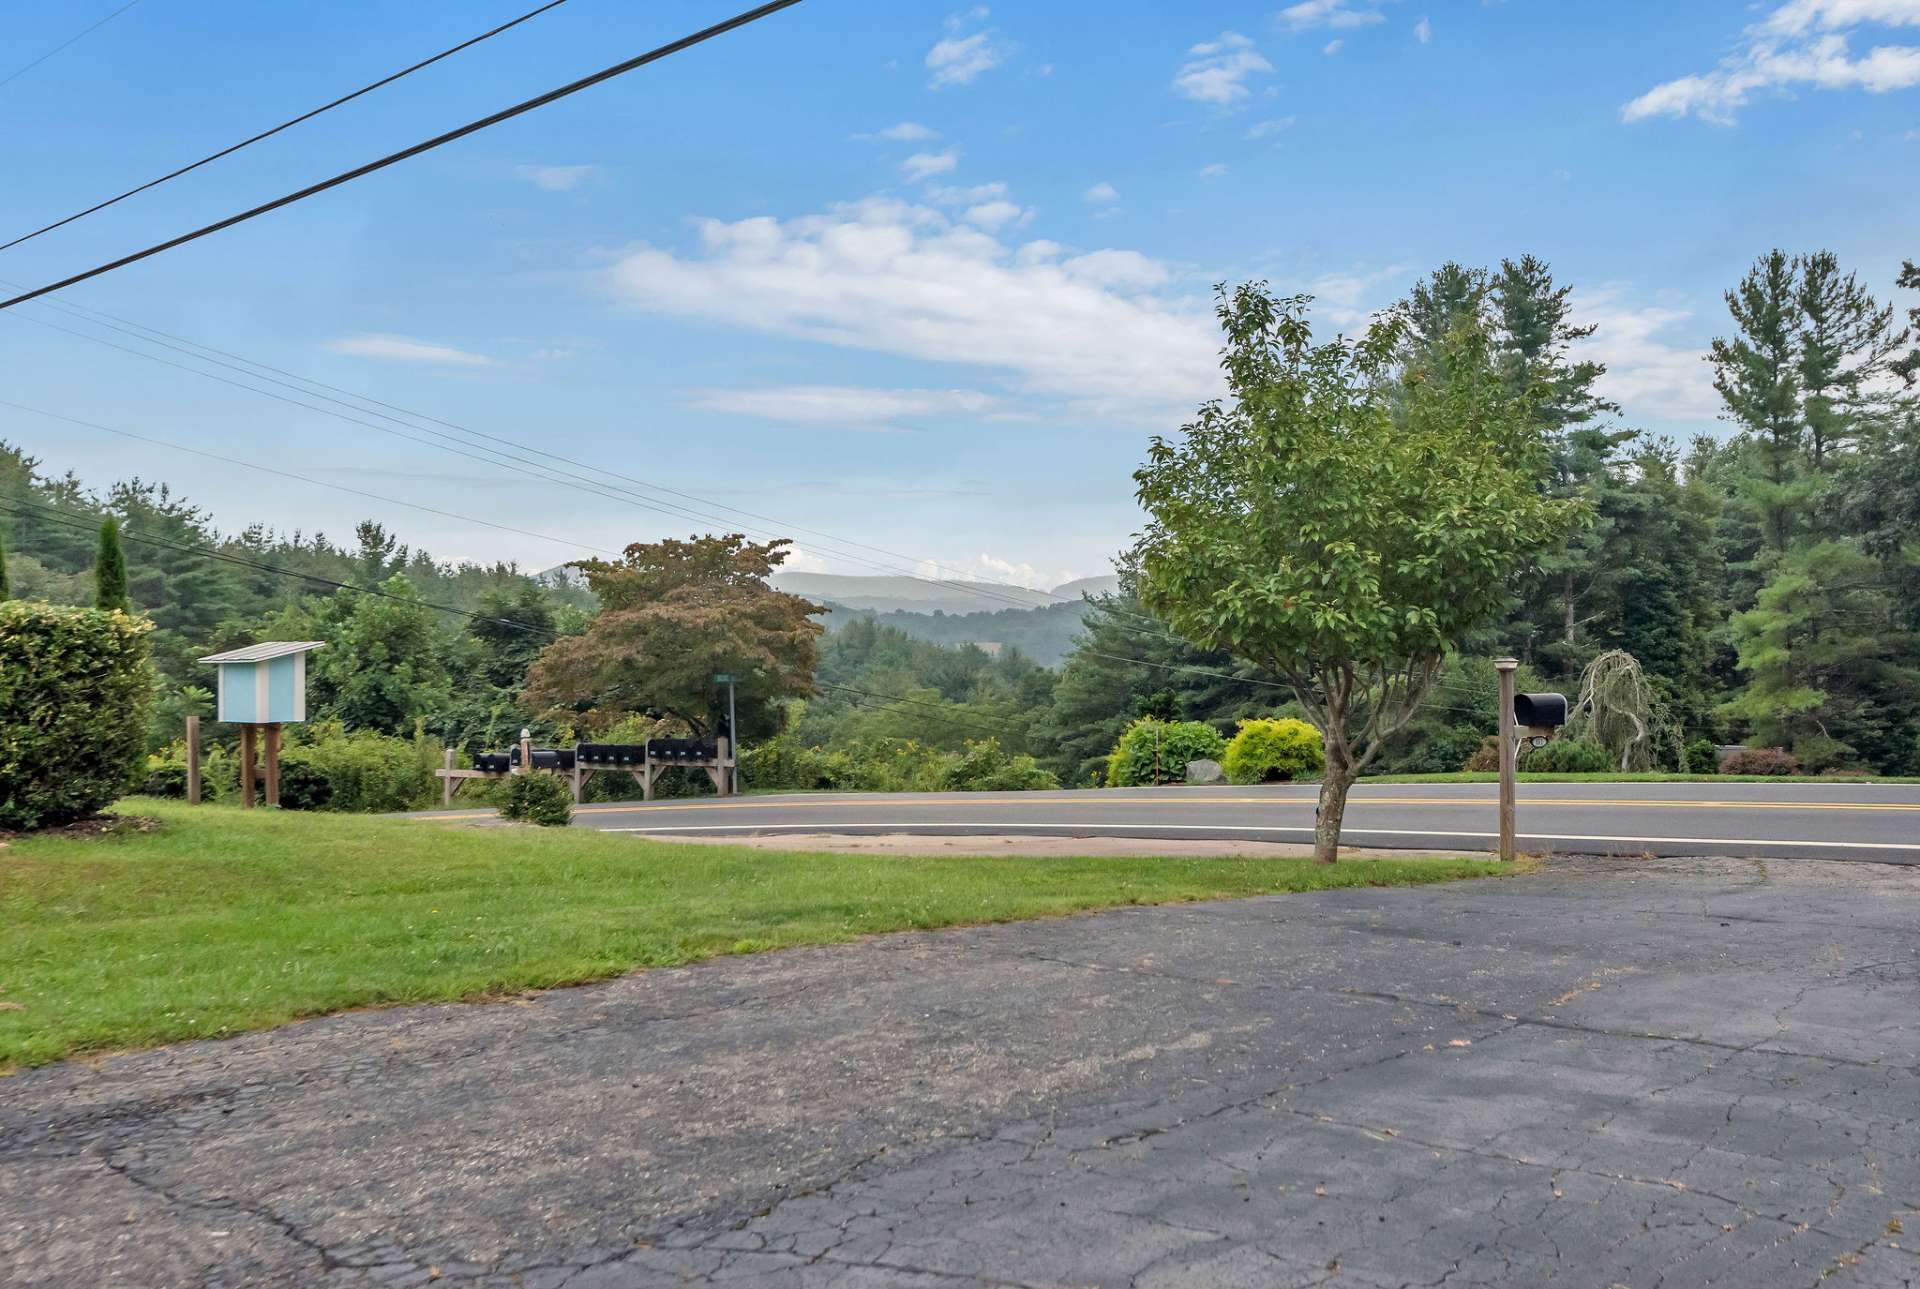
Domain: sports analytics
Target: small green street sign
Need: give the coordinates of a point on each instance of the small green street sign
(723, 679)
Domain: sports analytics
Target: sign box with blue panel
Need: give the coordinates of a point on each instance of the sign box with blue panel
(264, 684)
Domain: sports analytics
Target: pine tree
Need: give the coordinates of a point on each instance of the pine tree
(1758, 375)
(6, 593)
(110, 570)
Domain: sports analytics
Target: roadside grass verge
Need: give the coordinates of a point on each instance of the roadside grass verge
(221, 921)
(1488, 776)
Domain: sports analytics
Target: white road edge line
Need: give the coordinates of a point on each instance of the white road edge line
(908, 828)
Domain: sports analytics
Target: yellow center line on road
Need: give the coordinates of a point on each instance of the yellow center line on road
(1356, 802)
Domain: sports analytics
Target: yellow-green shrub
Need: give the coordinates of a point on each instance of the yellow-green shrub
(1274, 751)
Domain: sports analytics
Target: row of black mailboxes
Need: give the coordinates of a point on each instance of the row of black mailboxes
(602, 755)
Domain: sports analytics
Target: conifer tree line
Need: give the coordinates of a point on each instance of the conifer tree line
(1766, 577)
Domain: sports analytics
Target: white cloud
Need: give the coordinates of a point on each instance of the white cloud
(1217, 71)
(405, 349)
(1273, 126)
(1214, 171)
(1332, 47)
(923, 165)
(1802, 43)
(1099, 330)
(1423, 31)
(1349, 300)
(995, 215)
(1330, 13)
(1649, 375)
(947, 196)
(556, 178)
(984, 567)
(846, 406)
(960, 60)
(904, 132)
(1103, 194)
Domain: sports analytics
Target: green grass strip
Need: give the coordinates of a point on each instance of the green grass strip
(223, 921)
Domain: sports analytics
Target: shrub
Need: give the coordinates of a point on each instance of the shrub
(1818, 754)
(362, 771)
(166, 781)
(985, 767)
(1566, 756)
(1702, 757)
(1486, 757)
(784, 762)
(1133, 758)
(1273, 751)
(75, 688)
(538, 799)
(1761, 760)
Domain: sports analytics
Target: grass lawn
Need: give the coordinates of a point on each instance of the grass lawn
(224, 920)
(1488, 776)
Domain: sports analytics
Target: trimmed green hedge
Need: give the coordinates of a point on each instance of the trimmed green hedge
(75, 688)
(1274, 751)
(539, 799)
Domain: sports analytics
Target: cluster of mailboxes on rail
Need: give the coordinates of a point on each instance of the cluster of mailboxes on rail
(605, 756)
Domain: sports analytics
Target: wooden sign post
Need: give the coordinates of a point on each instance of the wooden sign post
(193, 760)
(1509, 753)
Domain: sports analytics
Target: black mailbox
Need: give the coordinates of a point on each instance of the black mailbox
(1536, 710)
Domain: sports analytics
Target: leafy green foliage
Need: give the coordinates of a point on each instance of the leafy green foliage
(1153, 751)
(538, 798)
(984, 766)
(1273, 751)
(673, 615)
(75, 686)
(1566, 756)
(1702, 757)
(1347, 516)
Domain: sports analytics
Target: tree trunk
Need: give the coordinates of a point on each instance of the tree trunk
(1333, 810)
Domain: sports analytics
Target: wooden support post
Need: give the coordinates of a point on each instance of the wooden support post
(273, 764)
(724, 780)
(578, 780)
(246, 766)
(526, 751)
(193, 760)
(446, 784)
(1509, 754)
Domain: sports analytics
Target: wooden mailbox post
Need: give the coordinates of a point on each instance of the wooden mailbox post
(261, 688)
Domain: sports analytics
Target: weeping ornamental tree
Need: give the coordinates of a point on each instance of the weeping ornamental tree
(1345, 516)
(1618, 709)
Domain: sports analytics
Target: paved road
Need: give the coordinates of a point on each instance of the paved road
(1631, 1073)
(1827, 821)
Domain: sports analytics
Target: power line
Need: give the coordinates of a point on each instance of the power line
(301, 478)
(439, 140)
(595, 484)
(82, 523)
(284, 125)
(84, 32)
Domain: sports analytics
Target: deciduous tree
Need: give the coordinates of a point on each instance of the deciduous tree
(674, 614)
(1342, 519)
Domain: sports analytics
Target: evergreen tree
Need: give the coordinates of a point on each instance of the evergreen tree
(110, 569)
(1758, 376)
(1908, 368)
(6, 591)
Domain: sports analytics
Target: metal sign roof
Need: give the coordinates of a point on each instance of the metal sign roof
(262, 652)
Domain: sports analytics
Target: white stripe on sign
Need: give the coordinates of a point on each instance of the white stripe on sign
(1347, 834)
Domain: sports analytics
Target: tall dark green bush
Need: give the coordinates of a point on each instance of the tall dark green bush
(538, 799)
(75, 686)
(1703, 757)
(110, 570)
(1568, 756)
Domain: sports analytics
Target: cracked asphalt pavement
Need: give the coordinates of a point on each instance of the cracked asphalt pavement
(1668, 1072)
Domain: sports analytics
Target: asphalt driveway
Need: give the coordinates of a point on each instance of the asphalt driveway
(1644, 1073)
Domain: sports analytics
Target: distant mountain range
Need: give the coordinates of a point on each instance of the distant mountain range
(1040, 624)
(913, 595)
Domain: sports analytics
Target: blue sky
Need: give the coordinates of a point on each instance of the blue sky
(918, 277)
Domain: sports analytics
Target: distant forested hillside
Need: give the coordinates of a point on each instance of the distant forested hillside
(1043, 635)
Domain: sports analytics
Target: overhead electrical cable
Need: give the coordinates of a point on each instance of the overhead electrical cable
(83, 33)
(284, 125)
(301, 478)
(427, 145)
